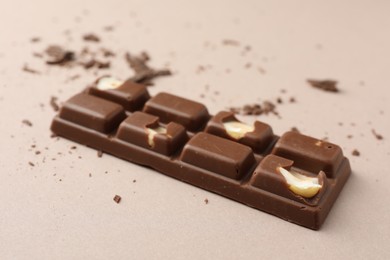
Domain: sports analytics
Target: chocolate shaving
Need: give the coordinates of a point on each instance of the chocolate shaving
(117, 198)
(91, 37)
(377, 136)
(27, 122)
(325, 85)
(143, 73)
(58, 56)
(266, 108)
(53, 104)
(26, 68)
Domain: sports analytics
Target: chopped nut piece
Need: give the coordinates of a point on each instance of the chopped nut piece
(153, 131)
(106, 83)
(237, 129)
(300, 184)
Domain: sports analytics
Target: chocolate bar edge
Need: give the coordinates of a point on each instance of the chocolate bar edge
(312, 218)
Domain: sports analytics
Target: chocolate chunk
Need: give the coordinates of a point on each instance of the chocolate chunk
(325, 85)
(117, 198)
(192, 115)
(218, 155)
(130, 95)
(92, 112)
(310, 154)
(225, 124)
(144, 130)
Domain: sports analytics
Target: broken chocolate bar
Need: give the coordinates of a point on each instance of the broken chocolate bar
(295, 177)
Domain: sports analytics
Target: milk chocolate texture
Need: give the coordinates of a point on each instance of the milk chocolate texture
(294, 177)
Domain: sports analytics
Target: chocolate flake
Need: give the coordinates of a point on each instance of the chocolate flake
(206, 201)
(58, 56)
(355, 152)
(377, 136)
(143, 73)
(53, 103)
(27, 68)
(90, 37)
(117, 198)
(266, 108)
(325, 85)
(27, 122)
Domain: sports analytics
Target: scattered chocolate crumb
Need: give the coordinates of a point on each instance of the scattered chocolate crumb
(73, 147)
(294, 129)
(266, 108)
(31, 164)
(89, 64)
(53, 103)
(27, 68)
(355, 152)
(90, 175)
(261, 70)
(134, 181)
(292, 100)
(279, 100)
(230, 42)
(325, 85)
(248, 65)
(377, 136)
(37, 152)
(143, 73)
(99, 153)
(349, 136)
(206, 201)
(117, 199)
(74, 77)
(58, 55)
(37, 55)
(27, 122)
(33, 146)
(107, 53)
(35, 39)
(90, 37)
(108, 28)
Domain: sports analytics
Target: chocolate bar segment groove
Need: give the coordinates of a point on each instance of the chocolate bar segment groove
(298, 181)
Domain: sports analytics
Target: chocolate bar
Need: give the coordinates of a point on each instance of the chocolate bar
(294, 177)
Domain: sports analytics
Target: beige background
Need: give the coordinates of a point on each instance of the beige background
(56, 211)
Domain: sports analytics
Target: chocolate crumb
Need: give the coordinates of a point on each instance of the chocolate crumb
(230, 42)
(35, 39)
(99, 153)
(377, 136)
(206, 201)
(27, 68)
(53, 103)
(90, 37)
(58, 55)
(90, 175)
(349, 136)
(355, 152)
(27, 122)
(108, 28)
(279, 100)
(37, 55)
(134, 181)
(117, 199)
(73, 147)
(31, 164)
(37, 152)
(292, 100)
(325, 85)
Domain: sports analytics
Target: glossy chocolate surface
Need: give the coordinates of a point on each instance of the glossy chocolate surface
(252, 166)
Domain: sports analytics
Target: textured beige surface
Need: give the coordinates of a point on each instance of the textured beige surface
(56, 211)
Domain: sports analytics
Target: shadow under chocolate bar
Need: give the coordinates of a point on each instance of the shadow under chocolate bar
(294, 177)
